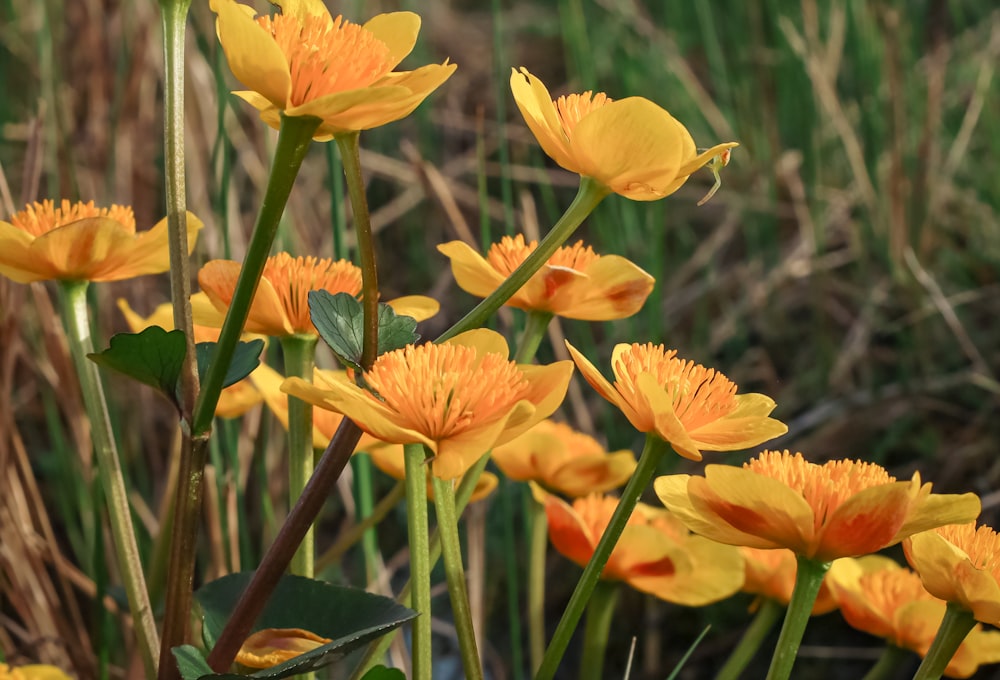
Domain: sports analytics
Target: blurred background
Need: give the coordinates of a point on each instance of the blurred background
(848, 267)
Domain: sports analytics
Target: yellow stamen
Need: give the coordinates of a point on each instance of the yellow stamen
(509, 253)
(982, 545)
(293, 278)
(573, 107)
(327, 56)
(443, 390)
(41, 218)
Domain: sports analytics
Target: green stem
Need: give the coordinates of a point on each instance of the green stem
(808, 579)
(534, 332)
(300, 353)
(537, 549)
(595, 635)
(362, 466)
(590, 194)
(109, 468)
(652, 452)
(454, 573)
(420, 568)
(755, 634)
(957, 623)
(355, 533)
(350, 155)
(891, 660)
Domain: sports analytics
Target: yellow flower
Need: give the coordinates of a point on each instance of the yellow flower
(575, 283)
(631, 146)
(655, 553)
(390, 459)
(878, 596)
(564, 460)
(272, 646)
(303, 62)
(960, 564)
(281, 304)
(771, 574)
(843, 508)
(692, 407)
(32, 672)
(460, 398)
(81, 242)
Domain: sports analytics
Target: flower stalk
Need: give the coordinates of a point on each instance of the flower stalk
(534, 332)
(595, 636)
(537, 548)
(955, 626)
(888, 663)
(420, 568)
(808, 580)
(300, 353)
(763, 621)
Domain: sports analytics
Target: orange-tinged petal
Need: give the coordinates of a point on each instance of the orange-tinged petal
(656, 401)
(745, 427)
(578, 477)
(672, 491)
(398, 30)
(272, 646)
(947, 571)
(253, 55)
(866, 522)
(149, 252)
(76, 250)
(420, 307)
(16, 260)
(617, 289)
(547, 387)
(711, 572)
(218, 278)
(459, 452)
(567, 531)
(601, 385)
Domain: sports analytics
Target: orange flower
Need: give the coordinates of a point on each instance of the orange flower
(771, 574)
(81, 242)
(960, 564)
(843, 508)
(631, 146)
(271, 646)
(564, 460)
(390, 459)
(281, 305)
(879, 597)
(683, 403)
(303, 62)
(655, 553)
(575, 283)
(460, 398)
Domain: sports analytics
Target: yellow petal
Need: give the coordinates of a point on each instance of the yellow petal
(745, 427)
(420, 307)
(16, 261)
(253, 55)
(483, 340)
(588, 475)
(79, 249)
(937, 510)
(272, 646)
(548, 389)
(535, 103)
(613, 288)
(148, 253)
(472, 272)
(398, 30)
(667, 425)
(302, 9)
(604, 388)
(699, 161)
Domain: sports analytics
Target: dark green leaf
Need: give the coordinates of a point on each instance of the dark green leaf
(246, 357)
(349, 617)
(190, 662)
(340, 322)
(153, 356)
(383, 673)
(394, 331)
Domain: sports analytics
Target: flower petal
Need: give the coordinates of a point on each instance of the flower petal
(420, 307)
(935, 510)
(535, 103)
(253, 55)
(604, 388)
(302, 9)
(614, 288)
(148, 252)
(16, 260)
(745, 427)
(472, 272)
(864, 523)
(398, 30)
(580, 476)
(665, 421)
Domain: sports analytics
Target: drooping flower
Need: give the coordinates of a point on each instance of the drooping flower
(575, 283)
(272, 646)
(281, 305)
(303, 62)
(961, 564)
(878, 596)
(692, 407)
(655, 553)
(390, 459)
(460, 398)
(81, 242)
(632, 146)
(561, 459)
(771, 574)
(843, 508)
(32, 672)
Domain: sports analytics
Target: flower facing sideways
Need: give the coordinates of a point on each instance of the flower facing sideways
(631, 146)
(81, 242)
(303, 62)
(692, 407)
(460, 398)
(771, 574)
(575, 283)
(273, 646)
(843, 508)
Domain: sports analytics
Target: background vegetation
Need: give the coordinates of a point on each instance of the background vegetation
(848, 267)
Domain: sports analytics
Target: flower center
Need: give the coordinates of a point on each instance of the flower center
(982, 545)
(293, 278)
(509, 253)
(571, 108)
(326, 55)
(444, 390)
(700, 395)
(41, 218)
(824, 487)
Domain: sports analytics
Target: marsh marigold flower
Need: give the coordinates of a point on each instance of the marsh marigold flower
(561, 459)
(878, 596)
(771, 574)
(960, 564)
(32, 672)
(272, 646)
(575, 283)
(303, 62)
(631, 146)
(81, 242)
(655, 554)
(842, 508)
(460, 398)
(692, 407)
(281, 304)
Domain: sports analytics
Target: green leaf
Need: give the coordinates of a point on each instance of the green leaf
(246, 357)
(349, 617)
(340, 322)
(190, 662)
(383, 673)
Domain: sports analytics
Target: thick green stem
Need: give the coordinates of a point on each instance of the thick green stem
(590, 194)
(652, 452)
(109, 468)
(454, 573)
(361, 464)
(891, 660)
(420, 567)
(595, 635)
(808, 579)
(755, 634)
(355, 533)
(537, 549)
(534, 332)
(300, 353)
(350, 155)
(955, 626)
